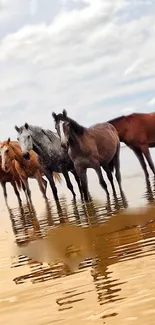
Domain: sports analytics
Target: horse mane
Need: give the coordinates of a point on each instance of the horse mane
(14, 145)
(76, 127)
(40, 130)
(50, 134)
(41, 139)
(117, 119)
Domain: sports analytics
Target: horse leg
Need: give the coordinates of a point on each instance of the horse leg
(146, 152)
(45, 184)
(101, 179)
(16, 191)
(26, 186)
(77, 180)
(24, 189)
(110, 177)
(4, 190)
(140, 157)
(116, 163)
(41, 183)
(49, 176)
(84, 183)
(68, 182)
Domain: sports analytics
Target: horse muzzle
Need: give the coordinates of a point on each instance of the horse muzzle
(26, 155)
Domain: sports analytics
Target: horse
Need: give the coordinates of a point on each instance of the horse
(94, 147)
(11, 153)
(137, 131)
(10, 177)
(52, 157)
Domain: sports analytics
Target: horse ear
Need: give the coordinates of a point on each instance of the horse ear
(64, 112)
(17, 128)
(54, 116)
(8, 141)
(26, 126)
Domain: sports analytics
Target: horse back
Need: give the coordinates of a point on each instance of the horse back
(104, 134)
(106, 140)
(141, 128)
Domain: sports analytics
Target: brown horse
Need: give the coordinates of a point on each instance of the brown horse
(11, 177)
(94, 147)
(11, 152)
(137, 131)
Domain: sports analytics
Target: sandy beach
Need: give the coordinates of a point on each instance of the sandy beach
(80, 264)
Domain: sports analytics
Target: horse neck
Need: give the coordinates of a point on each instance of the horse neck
(17, 153)
(40, 146)
(120, 126)
(36, 148)
(76, 128)
(75, 140)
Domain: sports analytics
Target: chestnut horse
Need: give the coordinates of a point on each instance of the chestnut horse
(13, 178)
(11, 152)
(137, 131)
(94, 147)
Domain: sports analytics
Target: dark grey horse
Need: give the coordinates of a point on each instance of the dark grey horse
(52, 157)
(94, 147)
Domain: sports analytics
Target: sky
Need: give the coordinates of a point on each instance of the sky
(95, 58)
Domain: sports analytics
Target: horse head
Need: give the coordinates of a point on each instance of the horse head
(62, 127)
(61, 116)
(25, 140)
(7, 155)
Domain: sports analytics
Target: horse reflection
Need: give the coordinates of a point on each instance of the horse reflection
(119, 203)
(57, 212)
(76, 211)
(107, 239)
(95, 212)
(48, 213)
(25, 224)
(149, 195)
(107, 288)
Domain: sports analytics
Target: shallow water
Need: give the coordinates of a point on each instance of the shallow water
(87, 263)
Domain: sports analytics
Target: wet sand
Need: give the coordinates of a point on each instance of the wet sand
(109, 252)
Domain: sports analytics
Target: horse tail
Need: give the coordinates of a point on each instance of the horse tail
(57, 177)
(116, 157)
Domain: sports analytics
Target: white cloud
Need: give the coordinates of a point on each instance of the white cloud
(88, 59)
(152, 102)
(133, 66)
